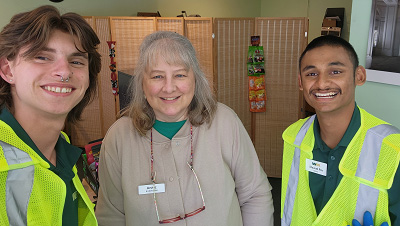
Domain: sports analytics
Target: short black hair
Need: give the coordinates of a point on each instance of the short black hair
(330, 40)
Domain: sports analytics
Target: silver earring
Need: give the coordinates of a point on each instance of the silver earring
(11, 80)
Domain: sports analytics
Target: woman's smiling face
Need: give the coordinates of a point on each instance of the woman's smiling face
(169, 90)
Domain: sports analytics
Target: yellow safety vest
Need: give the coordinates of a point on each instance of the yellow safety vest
(30, 194)
(368, 167)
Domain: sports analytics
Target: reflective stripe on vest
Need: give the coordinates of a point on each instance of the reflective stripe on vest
(294, 174)
(367, 198)
(19, 184)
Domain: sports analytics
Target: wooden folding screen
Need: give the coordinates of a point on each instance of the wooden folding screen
(175, 24)
(224, 62)
(100, 114)
(232, 38)
(283, 40)
(128, 32)
(199, 31)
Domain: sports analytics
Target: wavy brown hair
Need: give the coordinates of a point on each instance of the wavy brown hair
(33, 29)
(175, 49)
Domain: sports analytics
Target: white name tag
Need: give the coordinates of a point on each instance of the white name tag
(151, 188)
(316, 167)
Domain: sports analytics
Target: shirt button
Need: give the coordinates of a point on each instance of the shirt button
(330, 177)
(171, 179)
(177, 143)
(333, 157)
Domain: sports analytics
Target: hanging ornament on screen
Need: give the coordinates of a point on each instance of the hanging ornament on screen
(113, 67)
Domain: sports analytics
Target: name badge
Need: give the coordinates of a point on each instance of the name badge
(316, 167)
(151, 188)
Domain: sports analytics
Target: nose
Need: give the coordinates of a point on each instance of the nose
(169, 85)
(63, 69)
(323, 81)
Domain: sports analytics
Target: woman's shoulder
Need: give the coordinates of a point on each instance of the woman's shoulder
(224, 111)
(224, 116)
(122, 126)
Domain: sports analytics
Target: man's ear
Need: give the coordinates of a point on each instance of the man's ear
(300, 84)
(5, 70)
(360, 75)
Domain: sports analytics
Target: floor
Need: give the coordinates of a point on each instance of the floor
(276, 196)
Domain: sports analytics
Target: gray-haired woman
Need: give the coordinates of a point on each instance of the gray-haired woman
(178, 156)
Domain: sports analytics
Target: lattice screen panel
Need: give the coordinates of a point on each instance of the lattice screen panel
(199, 32)
(175, 24)
(96, 118)
(283, 40)
(129, 32)
(232, 38)
(107, 97)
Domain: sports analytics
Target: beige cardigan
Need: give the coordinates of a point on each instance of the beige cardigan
(236, 189)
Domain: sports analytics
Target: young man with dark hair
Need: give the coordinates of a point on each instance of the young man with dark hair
(342, 161)
(48, 66)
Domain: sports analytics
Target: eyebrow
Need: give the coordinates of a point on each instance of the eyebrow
(160, 71)
(308, 67)
(74, 54)
(335, 63)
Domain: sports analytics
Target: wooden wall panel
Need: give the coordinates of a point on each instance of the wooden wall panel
(224, 62)
(199, 31)
(109, 112)
(231, 42)
(129, 32)
(283, 40)
(96, 118)
(175, 24)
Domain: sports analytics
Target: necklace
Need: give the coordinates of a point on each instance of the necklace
(153, 173)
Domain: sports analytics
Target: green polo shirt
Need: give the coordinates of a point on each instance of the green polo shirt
(168, 129)
(67, 156)
(322, 187)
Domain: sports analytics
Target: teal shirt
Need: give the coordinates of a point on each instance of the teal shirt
(67, 156)
(168, 129)
(322, 187)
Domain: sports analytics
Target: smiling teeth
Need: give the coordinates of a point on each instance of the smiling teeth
(169, 98)
(326, 95)
(58, 89)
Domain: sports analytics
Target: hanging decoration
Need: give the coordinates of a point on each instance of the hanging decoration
(256, 75)
(113, 67)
